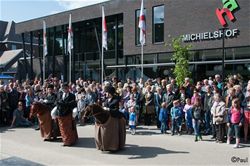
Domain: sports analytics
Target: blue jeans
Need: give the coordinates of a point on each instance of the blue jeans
(196, 126)
(189, 123)
(234, 129)
(163, 126)
(157, 110)
(207, 122)
(176, 125)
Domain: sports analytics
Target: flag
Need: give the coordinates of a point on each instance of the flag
(45, 50)
(104, 31)
(70, 36)
(142, 25)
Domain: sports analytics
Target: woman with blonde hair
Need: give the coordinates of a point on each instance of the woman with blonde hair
(149, 105)
(219, 114)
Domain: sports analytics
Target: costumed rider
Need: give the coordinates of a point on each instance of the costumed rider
(50, 98)
(112, 103)
(60, 98)
(111, 136)
(65, 106)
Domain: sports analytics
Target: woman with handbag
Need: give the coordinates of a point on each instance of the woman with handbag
(149, 105)
(219, 114)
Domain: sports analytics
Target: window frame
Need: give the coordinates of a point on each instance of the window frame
(153, 26)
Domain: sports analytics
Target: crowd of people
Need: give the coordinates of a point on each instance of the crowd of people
(207, 107)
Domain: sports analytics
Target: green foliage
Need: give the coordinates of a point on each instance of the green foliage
(180, 57)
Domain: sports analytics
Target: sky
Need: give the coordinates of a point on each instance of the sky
(23, 10)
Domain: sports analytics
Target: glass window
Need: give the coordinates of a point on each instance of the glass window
(13, 47)
(137, 29)
(58, 41)
(158, 24)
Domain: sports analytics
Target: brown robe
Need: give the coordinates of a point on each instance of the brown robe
(68, 129)
(45, 122)
(110, 136)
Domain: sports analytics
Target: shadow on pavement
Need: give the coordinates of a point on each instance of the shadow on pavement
(88, 142)
(18, 161)
(8, 129)
(146, 133)
(141, 152)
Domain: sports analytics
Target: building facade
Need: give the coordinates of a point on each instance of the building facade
(201, 23)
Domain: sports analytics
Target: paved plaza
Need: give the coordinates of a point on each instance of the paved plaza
(24, 146)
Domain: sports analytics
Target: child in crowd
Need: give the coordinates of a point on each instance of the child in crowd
(197, 115)
(132, 115)
(235, 121)
(188, 115)
(163, 117)
(132, 120)
(176, 117)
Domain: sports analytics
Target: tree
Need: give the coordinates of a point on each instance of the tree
(180, 57)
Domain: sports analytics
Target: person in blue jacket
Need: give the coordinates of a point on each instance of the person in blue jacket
(163, 116)
(176, 117)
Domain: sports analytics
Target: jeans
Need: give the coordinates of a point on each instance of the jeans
(157, 110)
(234, 129)
(189, 123)
(196, 126)
(176, 125)
(207, 122)
(163, 126)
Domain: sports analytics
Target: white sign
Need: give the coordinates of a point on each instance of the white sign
(229, 33)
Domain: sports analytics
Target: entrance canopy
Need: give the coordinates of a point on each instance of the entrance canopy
(8, 58)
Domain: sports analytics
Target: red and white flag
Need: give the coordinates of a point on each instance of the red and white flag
(142, 25)
(70, 36)
(104, 31)
(45, 50)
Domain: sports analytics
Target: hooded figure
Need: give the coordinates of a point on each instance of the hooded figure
(112, 134)
(112, 103)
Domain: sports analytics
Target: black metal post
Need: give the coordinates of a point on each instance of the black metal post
(73, 74)
(31, 55)
(39, 55)
(126, 68)
(157, 68)
(223, 53)
(65, 77)
(54, 52)
(100, 51)
(24, 55)
(49, 55)
(116, 46)
(85, 67)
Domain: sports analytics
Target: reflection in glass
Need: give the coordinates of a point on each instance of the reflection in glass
(158, 24)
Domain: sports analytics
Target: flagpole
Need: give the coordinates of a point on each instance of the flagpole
(102, 66)
(43, 68)
(102, 48)
(102, 70)
(70, 66)
(142, 27)
(44, 49)
(142, 61)
(70, 46)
